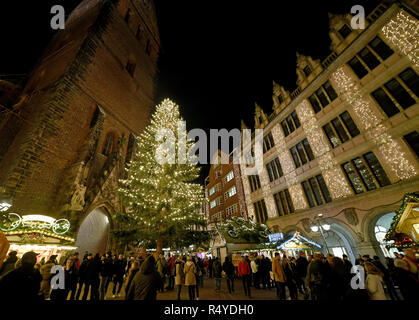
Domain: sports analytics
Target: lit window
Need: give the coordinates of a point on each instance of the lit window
(229, 176)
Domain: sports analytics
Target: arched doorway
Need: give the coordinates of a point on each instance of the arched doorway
(93, 233)
(380, 229)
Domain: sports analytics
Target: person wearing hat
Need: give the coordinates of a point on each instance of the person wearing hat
(46, 276)
(9, 264)
(22, 283)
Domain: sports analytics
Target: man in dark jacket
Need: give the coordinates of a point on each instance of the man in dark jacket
(9, 264)
(23, 283)
(216, 269)
(92, 278)
(105, 275)
(146, 282)
(316, 278)
(118, 273)
(82, 276)
(301, 266)
(228, 268)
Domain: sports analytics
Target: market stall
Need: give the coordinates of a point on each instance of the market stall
(42, 234)
(297, 242)
(404, 229)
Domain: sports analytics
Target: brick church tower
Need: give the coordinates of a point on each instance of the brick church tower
(70, 131)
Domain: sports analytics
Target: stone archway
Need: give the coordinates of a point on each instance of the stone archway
(93, 232)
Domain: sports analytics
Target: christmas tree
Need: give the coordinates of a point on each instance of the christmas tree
(161, 199)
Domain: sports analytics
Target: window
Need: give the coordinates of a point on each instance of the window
(322, 97)
(365, 173)
(254, 182)
(283, 203)
(358, 67)
(130, 148)
(211, 191)
(108, 144)
(268, 142)
(381, 48)
(232, 209)
(307, 70)
(394, 89)
(370, 57)
(229, 176)
(411, 80)
(399, 93)
(230, 192)
(344, 31)
(412, 140)
(316, 191)
(302, 153)
(274, 169)
(130, 67)
(261, 211)
(291, 123)
(127, 16)
(213, 203)
(385, 102)
(349, 124)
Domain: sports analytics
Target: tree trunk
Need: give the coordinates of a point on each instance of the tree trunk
(159, 246)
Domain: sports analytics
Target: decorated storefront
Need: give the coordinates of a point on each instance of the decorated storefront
(42, 234)
(404, 229)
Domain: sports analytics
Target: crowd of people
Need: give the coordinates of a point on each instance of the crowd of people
(315, 277)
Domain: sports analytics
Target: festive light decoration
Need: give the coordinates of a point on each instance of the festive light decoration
(369, 122)
(239, 229)
(298, 238)
(332, 174)
(403, 32)
(288, 167)
(162, 199)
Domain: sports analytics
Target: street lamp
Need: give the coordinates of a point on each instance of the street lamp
(322, 227)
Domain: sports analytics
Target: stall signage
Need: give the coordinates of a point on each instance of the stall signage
(274, 237)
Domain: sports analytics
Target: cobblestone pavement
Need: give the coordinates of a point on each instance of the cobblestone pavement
(208, 292)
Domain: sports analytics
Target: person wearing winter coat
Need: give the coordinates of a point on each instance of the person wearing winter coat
(146, 282)
(246, 274)
(386, 278)
(217, 269)
(337, 285)
(190, 278)
(82, 276)
(106, 270)
(317, 277)
(46, 276)
(289, 278)
(374, 282)
(279, 276)
(179, 276)
(70, 282)
(301, 265)
(407, 281)
(171, 272)
(135, 267)
(118, 274)
(92, 277)
(9, 264)
(23, 283)
(228, 268)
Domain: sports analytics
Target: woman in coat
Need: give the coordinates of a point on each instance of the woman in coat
(179, 275)
(374, 282)
(146, 282)
(279, 276)
(135, 266)
(190, 279)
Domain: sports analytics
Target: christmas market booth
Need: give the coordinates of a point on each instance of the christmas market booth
(404, 229)
(298, 242)
(42, 234)
(237, 236)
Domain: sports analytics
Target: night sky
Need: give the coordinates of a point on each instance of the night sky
(217, 57)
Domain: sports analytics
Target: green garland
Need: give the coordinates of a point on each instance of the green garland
(401, 241)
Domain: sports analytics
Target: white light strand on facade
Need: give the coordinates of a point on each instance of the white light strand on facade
(248, 195)
(288, 168)
(403, 32)
(332, 175)
(375, 130)
(240, 192)
(269, 201)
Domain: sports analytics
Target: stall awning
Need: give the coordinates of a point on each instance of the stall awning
(298, 242)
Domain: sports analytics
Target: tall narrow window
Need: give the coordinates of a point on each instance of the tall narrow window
(340, 130)
(323, 188)
(368, 57)
(295, 157)
(385, 102)
(316, 191)
(314, 103)
(331, 135)
(308, 150)
(331, 93)
(381, 48)
(308, 194)
(349, 123)
(295, 118)
(399, 93)
(358, 67)
(344, 31)
(364, 173)
(353, 177)
(377, 169)
(285, 128)
(411, 79)
(108, 144)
